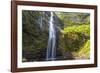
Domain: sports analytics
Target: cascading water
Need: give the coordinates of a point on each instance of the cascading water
(51, 47)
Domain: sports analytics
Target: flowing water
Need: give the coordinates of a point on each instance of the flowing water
(51, 47)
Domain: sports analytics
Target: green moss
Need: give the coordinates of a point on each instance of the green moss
(77, 40)
(73, 40)
(84, 29)
(85, 49)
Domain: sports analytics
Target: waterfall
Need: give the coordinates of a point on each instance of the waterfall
(51, 47)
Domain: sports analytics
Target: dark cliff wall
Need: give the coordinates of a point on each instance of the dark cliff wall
(35, 33)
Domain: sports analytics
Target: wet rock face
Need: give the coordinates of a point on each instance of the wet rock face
(34, 56)
(40, 55)
(35, 34)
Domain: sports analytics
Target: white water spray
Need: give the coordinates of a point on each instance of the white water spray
(51, 47)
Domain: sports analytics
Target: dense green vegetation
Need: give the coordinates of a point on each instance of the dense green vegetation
(73, 35)
(84, 29)
(76, 34)
(70, 18)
